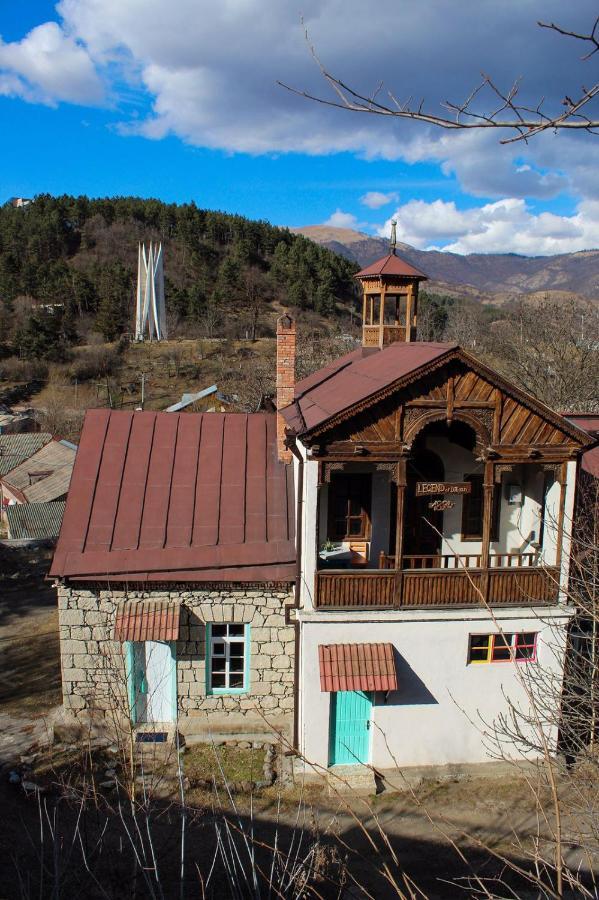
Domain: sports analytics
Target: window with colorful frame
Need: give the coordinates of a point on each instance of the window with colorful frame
(227, 658)
(485, 648)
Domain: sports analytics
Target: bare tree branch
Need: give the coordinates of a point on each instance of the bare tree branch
(508, 114)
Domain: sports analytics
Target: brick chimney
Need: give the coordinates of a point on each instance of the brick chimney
(285, 378)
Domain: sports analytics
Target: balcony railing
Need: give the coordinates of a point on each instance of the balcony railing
(425, 587)
(461, 561)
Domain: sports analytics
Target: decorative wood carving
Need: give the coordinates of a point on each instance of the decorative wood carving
(392, 468)
(500, 468)
(330, 467)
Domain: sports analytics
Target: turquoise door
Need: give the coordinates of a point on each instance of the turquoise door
(350, 728)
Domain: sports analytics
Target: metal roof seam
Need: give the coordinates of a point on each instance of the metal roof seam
(170, 486)
(220, 482)
(118, 503)
(195, 482)
(147, 474)
(95, 486)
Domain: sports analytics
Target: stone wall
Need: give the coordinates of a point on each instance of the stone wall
(94, 671)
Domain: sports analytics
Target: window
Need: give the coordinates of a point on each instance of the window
(484, 648)
(349, 507)
(472, 510)
(227, 658)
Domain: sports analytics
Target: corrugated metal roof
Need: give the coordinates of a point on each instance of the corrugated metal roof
(188, 399)
(178, 496)
(34, 521)
(357, 667)
(355, 377)
(15, 448)
(392, 265)
(51, 487)
(54, 455)
(147, 620)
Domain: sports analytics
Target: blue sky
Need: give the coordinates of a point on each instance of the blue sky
(178, 100)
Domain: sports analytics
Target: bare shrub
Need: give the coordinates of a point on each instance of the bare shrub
(94, 362)
(14, 369)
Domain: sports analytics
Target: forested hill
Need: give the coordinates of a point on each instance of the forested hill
(68, 267)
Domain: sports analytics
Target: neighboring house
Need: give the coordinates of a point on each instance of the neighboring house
(176, 560)
(34, 521)
(43, 475)
(336, 570)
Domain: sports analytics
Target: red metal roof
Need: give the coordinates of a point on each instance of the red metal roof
(355, 377)
(147, 620)
(178, 497)
(357, 667)
(589, 422)
(391, 265)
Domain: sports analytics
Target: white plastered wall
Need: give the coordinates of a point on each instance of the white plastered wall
(519, 523)
(436, 716)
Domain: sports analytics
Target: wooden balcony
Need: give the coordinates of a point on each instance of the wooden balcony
(427, 587)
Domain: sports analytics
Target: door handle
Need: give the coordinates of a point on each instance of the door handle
(368, 725)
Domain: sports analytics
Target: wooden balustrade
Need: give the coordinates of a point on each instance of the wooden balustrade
(460, 561)
(425, 587)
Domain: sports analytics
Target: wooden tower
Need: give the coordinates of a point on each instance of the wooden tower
(389, 299)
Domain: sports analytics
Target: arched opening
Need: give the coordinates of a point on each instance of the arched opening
(442, 452)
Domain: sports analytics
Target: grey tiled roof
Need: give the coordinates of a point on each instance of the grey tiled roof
(34, 520)
(16, 448)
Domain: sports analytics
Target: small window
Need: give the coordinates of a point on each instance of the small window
(349, 507)
(484, 648)
(228, 653)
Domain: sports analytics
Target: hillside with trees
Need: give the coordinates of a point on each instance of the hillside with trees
(68, 268)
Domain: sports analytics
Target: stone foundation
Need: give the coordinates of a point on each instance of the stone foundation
(94, 671)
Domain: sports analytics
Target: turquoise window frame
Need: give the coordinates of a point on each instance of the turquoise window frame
(246, 662)
(129, 662)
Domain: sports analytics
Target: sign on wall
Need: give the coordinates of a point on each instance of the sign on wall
(426, 488)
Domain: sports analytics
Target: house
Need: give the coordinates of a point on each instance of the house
(36, 468)
(337, 570)
(434, 555)
(176, 563)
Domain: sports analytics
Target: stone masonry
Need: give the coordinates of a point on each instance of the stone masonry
(93, 664)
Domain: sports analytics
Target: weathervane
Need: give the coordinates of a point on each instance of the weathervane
(393, 242)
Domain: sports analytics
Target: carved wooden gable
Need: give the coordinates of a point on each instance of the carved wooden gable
(505, 420)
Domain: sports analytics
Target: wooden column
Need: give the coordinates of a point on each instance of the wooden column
(382, 317)
(409, 299)
(489, 494)
(399, 528)
(562, 477)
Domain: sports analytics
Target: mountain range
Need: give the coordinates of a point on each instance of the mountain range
(493, 277)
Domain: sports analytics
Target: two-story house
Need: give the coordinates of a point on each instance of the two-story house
(436, 500)
(365, 570)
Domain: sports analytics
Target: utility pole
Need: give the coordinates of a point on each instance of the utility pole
(143, 388)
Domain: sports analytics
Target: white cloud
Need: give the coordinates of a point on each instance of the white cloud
(377, 199)
(340, 219)
(47, 66)
(507, 226)
(207, 73)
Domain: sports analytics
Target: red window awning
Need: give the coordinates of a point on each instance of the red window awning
(147, 620)
(357, 667)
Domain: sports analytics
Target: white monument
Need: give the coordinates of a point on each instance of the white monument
(150, 318)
